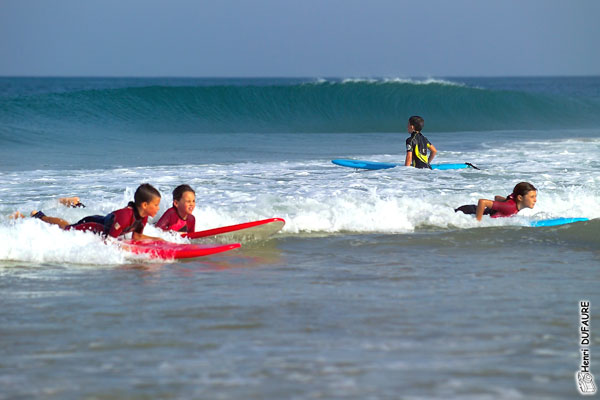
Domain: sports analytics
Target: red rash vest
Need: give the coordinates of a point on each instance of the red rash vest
(504, 208)
(171, 220)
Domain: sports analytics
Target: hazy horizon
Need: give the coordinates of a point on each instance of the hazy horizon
(292, 38)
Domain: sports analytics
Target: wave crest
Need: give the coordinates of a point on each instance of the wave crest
(350, 105)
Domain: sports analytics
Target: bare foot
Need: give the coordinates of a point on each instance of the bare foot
(16, 215)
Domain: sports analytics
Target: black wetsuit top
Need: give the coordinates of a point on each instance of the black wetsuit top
(418, 145)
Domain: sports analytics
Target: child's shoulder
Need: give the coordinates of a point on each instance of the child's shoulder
(170, 210)
(169, 214)
(424, 137)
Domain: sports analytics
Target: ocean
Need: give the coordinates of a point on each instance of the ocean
(374, 289)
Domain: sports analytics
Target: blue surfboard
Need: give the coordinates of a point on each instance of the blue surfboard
(556, 221)
(451, 166)
(363, 164)
(360, 164)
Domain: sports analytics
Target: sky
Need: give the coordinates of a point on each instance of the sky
(299, 38)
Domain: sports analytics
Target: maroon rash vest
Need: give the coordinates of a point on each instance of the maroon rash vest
(172, 221)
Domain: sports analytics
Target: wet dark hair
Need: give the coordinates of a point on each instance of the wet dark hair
(522, 188)
(417, 122)
(180, 190)
(145, 193)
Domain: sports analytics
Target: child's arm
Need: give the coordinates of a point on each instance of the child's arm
(408, 159)
(481, 206)
(141, 236)
(123, 219)
(164, 222)
(433, 151)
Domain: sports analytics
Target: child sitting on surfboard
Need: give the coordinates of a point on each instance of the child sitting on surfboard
(524, 195)
(179, 218)
(417, 145)
(131, 219)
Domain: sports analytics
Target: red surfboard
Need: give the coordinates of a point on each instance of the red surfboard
(168, 250)
(256, 229)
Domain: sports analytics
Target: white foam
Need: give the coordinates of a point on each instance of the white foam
(31, 240)
(411, 81)
(313, 196)
(387, 80)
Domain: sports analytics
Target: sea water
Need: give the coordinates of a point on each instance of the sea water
(375, 287)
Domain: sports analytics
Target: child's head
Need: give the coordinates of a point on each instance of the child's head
(415, 124)
(147, 199)
(525, 195)
(184, 200)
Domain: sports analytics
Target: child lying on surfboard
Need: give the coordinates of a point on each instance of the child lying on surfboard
(179, 218)
(131, 219)
(524, 195)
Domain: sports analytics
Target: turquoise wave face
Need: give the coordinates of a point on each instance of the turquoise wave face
(279, 106)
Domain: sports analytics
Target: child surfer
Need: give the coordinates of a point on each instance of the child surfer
(524, 195)
(417, 145)
(179, 218)
(130, 219)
